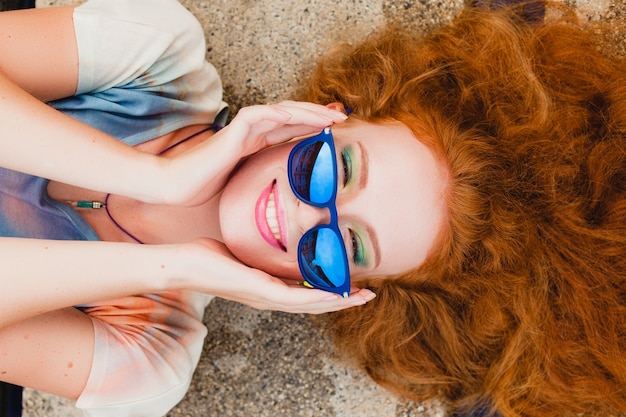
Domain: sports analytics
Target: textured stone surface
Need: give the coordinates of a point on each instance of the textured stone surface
(271, 364)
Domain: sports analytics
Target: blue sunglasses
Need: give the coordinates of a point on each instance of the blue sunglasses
(322, 256)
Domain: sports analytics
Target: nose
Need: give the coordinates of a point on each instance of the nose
(308, 216)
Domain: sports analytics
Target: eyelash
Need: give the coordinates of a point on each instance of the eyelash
(355, 241)
(357, 248)
(346, 160)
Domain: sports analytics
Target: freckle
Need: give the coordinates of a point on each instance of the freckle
(26, 336)
(45, 247)
(65, 375)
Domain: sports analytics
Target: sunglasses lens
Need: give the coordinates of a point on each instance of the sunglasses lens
(323, 258)
(313, 172)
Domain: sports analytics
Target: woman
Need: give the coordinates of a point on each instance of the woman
(521, 310)
(177, 192)
(515, 292)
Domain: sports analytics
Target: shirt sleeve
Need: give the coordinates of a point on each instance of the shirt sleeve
(146, 349)
(142, 70)
(120, 41)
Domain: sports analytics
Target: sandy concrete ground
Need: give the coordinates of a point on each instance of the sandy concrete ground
(271, 364)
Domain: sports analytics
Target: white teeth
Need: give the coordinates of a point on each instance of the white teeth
(270, 216)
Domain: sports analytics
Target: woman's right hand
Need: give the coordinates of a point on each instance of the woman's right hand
(217, 272)
(195, 176)
(258, 127)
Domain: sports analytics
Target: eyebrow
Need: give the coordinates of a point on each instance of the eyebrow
(374, 240)
(362, 184)
(364, 166)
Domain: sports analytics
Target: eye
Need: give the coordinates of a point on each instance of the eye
(346, 161)
(358, 252)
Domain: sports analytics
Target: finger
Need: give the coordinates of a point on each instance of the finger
(288, 132)
(357, 299)
(276, 125)
(292, 282)
(306, 300)
(316, 295)
(249, 116)
(271, 293)
(308, 113)
(318, 108)
(289, 112)
(329, 307)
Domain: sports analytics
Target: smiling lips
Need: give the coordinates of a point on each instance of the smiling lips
(269, 217)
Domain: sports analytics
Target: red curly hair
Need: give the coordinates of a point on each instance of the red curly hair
(522, 306)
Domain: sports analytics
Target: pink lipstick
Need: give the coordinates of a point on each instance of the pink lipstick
(269, 217)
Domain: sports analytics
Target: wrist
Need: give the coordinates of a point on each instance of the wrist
(175, 266)
(205, 265)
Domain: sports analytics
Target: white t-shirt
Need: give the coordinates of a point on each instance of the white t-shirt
(142, 74)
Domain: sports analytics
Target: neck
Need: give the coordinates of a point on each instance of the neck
(146, 222)
(171, 224)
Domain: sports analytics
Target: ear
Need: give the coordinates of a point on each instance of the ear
(336, 106)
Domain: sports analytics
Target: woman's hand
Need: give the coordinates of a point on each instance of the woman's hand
(224, 276)
(196, 175)
(258, 127)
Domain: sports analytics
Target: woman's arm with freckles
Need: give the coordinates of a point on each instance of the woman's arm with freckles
(38, 51)
(52, 352)
(110, 352)
(39, 276)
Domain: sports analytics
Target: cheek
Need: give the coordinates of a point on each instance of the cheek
(279, 268)
(237, 215)
(245, 244)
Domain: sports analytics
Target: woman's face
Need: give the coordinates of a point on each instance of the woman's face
(389, 202)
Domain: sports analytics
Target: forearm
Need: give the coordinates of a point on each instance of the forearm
(52, 352)
(39, 276)
(39, 61)
(36, 139)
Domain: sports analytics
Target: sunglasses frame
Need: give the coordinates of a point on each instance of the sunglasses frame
(326, 137)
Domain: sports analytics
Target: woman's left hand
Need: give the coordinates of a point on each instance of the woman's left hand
(217, 272)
